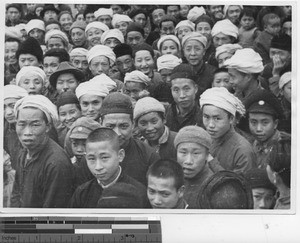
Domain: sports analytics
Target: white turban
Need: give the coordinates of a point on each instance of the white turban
(168, 61)
(97, 25)
(13, 32)
(138, 77)
(195, 13)
(113, 33)
(117, 18)
(106, 81)
(41, 102)
(14, 91)
(28, 71)
(246, 61)
(284, 79)
(168, 37)
(227, 6)
(79, 52)
(35, 24)
(56, 34)
(101, 50)
(222, 98)
(194, 36)
(228, 48)
(91, 87)
(225, 27)
(103, 11)
(185, 23)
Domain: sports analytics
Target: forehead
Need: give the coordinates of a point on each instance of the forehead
(65, 15)
(167, 24)
(99, 146)
(51, 59)
(90, 98)
(158, 11)
(173, 7)
(123, 58)
(53, 40)
(140, 15)
(77, 30)
(180, 82)
(10, 100)
(221, 35)
(30, 113)
(133, 85)
(104, 17)
(150, 115)
(222, 75)
(80, 58)
(234, 8)
(224, 55)
(67, 107)
(203, 24)
(11, 44)
(52, 26)
(273, 21)
(116, 118)
(142, 53)
(27, 56)
(13, 9)
(133, 34)
(31, 76)
(260, 116)
(190, 145)
(66, 76)
(213, 110)
(93, 29)
(193, 43)
(161, 183)
(262, 191)
(169, 43)
(99, 59)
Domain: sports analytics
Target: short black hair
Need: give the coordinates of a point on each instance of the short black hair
(269, 17)
(249, 12)
(11, 39)
(104, 134)
(167, 18)
(221, 70)
(52, 21)
(166, 168)
(62, 54)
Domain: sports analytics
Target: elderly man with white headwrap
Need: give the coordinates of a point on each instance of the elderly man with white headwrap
(48, 181)
(104, 15)
(220, 109)
(121, 22)
(57, 39)
(226, 51)
(36, 29)
(78, 57)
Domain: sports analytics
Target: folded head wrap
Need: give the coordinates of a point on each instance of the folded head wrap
(103, 11)
(138, 77)
(91, 87)
(204, 18)
(246, 61)
(184, 23)
(228, 48)
(57, 34)
(78, 24)
(225, 9)
(28, 71)
(79, 52)
(101, 50)
(41, 102)
(14, 91)
(97, 25)
(194, 36)
(284, 79)
(195, 13)
(168, 61)
(222, 98)
(225, 27)
(147, 105)
(117, 18)
(35, 24)
(112, 33)
(168, 37)
(13, 32)
(105, 80)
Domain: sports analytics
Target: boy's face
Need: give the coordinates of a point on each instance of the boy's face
(78, 147)
(133, 89)
(103, 160)
(99, 65)
(90, 106)
(287, 91)
(9, 113)
(169, 47)
(124, 64)
(68, 114)
(216, 121)
(223, 57)
(192, 157)
(221, 39)
(144, 62)
(263, 198)
(238, 80)
(222, 80)
(162, 192)
(262, 126)
(233, 13)
(273, 26)
(247, 22)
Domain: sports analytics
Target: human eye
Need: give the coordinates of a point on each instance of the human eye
(151, 191)
(111, 126)
(124, 126)
(165, 194)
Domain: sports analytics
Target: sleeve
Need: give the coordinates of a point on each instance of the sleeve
(274, 85)
(75, 200)
(15, 197)
(245, 159)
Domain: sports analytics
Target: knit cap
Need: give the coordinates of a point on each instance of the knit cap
(282, 42)
(78, 24)
(122, 50)
(193, 134)
(258, 178)
(133, 26)
(143, 47)
(65, 98)
(146, 105)
(183, 71)
(164, 38)
(82, 127)
(195, 13)
(116, 103)
(30, 46)
(194, 36)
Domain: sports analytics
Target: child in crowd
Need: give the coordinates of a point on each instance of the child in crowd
(221, 79)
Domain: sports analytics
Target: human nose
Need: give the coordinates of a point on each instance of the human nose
(27, 131)
(98, 165)
(117, 130)
(156, 199)
(188, 160)
(211, 123)
(182, 94)
(259, 127)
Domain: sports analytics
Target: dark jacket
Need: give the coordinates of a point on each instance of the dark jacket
(45, 181)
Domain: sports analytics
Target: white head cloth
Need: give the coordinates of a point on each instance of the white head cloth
(185, 23)
(101, 50)
(246, 61)
(97, 25)
(13, 32)
(225, 9)
(284, 79)
(117, 18)
(41, 102)
(168, 37)
(56, 34)
(91, 87)
(28, 71)
(35, 24)
(79, 51)
(225, 27)
(195, 13)
(229, 48)
(168, 61)
(138, 77)
(103, 11)
(194, 36)
(14, 91)
(112, 33)
(222, 98)
(105, 80)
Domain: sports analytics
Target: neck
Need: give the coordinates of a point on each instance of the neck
(112, 178)
(198, 67)
(184, 111)
(32, 152)
(253, 84)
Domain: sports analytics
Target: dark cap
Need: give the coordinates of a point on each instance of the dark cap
(142, 47)
(78, 24)
(66, 67)
(204, 18)
(65, 98)
(282, 42)
(183, 71)
(137, 11)
(258, 178)
(30, 46)
(14, 5)
(47, 8)
(122, 50)
(116, 103)
(133, 26)
(167, 18)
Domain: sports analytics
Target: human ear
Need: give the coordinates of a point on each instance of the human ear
(121, 155)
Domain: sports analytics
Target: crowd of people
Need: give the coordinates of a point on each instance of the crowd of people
(147, 106)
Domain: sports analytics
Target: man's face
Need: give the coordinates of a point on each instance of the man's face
(173, 11)
(32, 83)
(99, 65)
(50, 65)
(282, 56)
(167, 28)
(238, 80)
(111, 42)
(222, 80)
(221, 39)
(31, 128)
(65, 82)
(28, 60)
(124, 64)
(166, 75)
(9, 114)
(66, 21)
(192, 157)
(80, 62)
(216, 121)
(263, 198)
(144, 62)
(184, 92)
(157, 14)
(122, 124)
(216, 11)
(90, 106)
(37, 34)
(55, 42)
(152, 126)
(31, 7)
(233, 13)
(134, 38)
(105, 19)
(78, 37)
(122, 26)
(89, 18)
(194, 52)
(78, 147)
(10, 52)
(116, 9)
(13, 14)
(133, 89)
(169, 47)
(184, 10)
(103, 160)
(204, 28)
(262, 126)
(141, 19)
(162, 193)
(50, 15)
(68, 114)
(94, 36)
(183, 31)
(287, 28)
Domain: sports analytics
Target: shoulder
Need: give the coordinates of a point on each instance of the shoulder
(54, 154)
